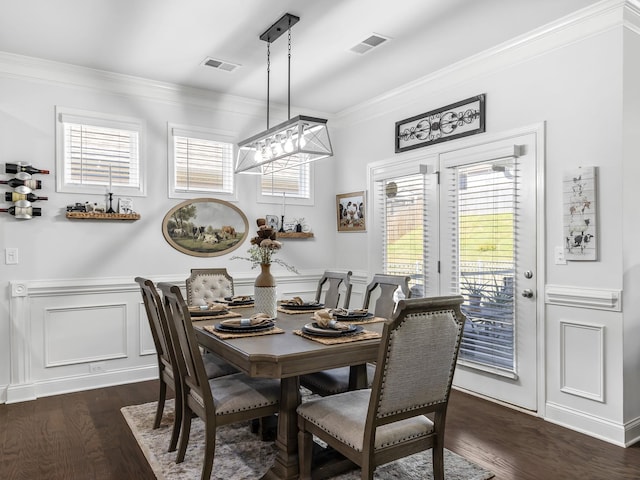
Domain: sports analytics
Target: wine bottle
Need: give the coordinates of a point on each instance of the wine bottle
(23, 212)
(22, 167)
(15, 196)
(16, 182)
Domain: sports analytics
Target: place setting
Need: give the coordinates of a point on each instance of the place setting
(328, 329)
(210, 311)
(239, 301)
(256, 325)
(357, 316)
(297, 305)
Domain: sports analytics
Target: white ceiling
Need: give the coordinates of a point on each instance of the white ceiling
(166, 40)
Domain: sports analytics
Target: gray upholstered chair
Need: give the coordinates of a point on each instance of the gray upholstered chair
(167, 367)
(335, 281)
(219, 401)
(337, 380)
(208, 285)
(416, 363)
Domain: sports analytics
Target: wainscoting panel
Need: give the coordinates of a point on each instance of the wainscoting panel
(85, 334)
(146, 339)
(582, 360)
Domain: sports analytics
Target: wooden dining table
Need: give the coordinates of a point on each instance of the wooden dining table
(286, 356)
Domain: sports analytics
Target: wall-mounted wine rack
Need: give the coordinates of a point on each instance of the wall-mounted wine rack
(23, 185)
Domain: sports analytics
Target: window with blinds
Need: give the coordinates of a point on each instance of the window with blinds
(482, 211)
(405, 248)
(201, 164)
(98, 152)
(294, 182)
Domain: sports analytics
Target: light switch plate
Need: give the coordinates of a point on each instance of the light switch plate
(559, 256)
(11, 256)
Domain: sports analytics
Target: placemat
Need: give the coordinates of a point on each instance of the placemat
(225, 336)
(229, 314)
(363, 322)
(248, 305)
(364, 335)
(297, 312)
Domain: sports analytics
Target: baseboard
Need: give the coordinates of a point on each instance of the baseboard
(59, 386)
(3, 394)
(591, 425)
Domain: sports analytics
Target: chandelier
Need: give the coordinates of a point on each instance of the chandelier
(299, 140)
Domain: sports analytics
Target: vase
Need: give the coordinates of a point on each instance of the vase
(265, 292)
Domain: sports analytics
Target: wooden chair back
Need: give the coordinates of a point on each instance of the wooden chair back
(387, 285)
(335, 281)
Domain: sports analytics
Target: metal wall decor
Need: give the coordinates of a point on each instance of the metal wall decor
(459, 119)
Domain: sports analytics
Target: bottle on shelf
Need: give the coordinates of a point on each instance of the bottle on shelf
(16, 182)
(22, 167)
(23, 212)
(16, 196)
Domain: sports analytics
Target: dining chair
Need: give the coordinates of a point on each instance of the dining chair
(416, 362)
(208, 285)
(165, 352)
(219, 401)
(335, 281)
(342, 379)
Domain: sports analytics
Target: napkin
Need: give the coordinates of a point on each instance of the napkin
(324, 318)
(294, 301)
(217, 307)
(241, 298)
(255, 320)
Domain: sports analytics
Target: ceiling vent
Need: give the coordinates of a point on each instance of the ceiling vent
(373, 41)
(219, 64)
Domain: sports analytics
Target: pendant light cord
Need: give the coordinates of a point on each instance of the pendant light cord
(289, 78)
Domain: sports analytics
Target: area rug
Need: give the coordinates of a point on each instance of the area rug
(241, 455)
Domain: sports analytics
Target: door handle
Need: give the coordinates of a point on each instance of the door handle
(527, 293)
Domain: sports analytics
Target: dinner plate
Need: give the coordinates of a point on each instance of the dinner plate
(244, 329)
(315, 329)
(231, 302)
(304, 306)
(207, 313)
(354, 315)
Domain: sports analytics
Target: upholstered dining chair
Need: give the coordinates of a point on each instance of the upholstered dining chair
(415, 367)
(337, 380)
(165, 352)
(219, 401)
(208, 285)
(335, 281)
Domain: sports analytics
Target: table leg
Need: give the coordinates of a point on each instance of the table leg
(286, 462)
(358, 377)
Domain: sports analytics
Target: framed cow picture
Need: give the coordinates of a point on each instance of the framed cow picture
(350, 209)
(205, 227)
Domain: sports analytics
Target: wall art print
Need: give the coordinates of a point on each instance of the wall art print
(205, 227)
(579, 214)
(350, 209)
(460, 119)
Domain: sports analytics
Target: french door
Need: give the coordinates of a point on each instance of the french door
(465, 222)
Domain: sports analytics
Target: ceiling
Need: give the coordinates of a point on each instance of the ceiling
(167, 40)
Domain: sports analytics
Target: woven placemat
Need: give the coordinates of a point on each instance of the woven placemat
(225, 336)
(297, 312)
(364, 322)
(229, 314)
(248, 305)
(363, 335)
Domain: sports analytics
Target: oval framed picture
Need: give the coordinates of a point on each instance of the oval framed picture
(205, 227)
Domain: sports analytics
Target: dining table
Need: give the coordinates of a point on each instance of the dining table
(285, 356)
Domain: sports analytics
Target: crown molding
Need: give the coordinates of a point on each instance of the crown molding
(580, 25)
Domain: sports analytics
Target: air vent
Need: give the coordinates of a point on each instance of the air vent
(373, 41)
(219, 64)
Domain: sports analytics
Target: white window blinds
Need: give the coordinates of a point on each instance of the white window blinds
(202, 165)
(295, 182)
(481, 206)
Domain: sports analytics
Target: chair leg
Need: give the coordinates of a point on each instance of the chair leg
(209, 449)
(185, 431)
(437, 454)
(162, 395)
(305, 452)
(177, 421)
(367, 472)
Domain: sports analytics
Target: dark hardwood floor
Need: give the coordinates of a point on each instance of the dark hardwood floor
(84, 436)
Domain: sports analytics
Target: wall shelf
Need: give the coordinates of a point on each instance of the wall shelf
(294, 235)
(103, 216)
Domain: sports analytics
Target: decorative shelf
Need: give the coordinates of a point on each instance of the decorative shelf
(103, 216)
(294, 235)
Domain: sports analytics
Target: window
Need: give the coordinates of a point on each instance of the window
(200, 161)
(98, 153)
(293, 182)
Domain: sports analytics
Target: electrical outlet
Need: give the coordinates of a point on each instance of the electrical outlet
(11, 256)
(98, 367)
(559, 256)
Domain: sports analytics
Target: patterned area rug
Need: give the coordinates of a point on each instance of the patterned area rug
(241, 455)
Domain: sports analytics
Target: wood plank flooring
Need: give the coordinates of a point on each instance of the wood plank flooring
(83, 436)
